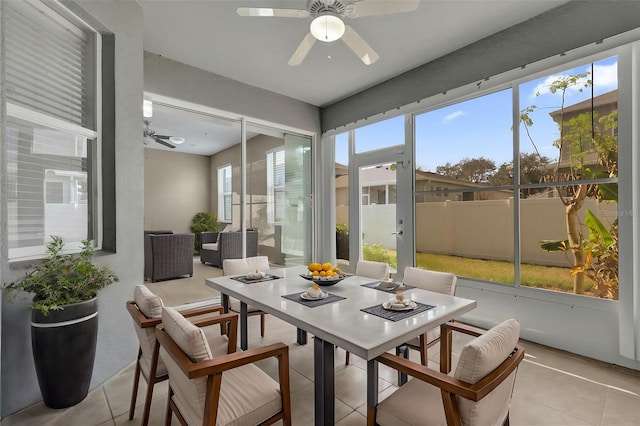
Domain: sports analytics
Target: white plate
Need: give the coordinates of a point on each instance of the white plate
(394, 307)
(386, 285)
(306, 296)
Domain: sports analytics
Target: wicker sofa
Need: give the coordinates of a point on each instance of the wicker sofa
(215, 247)
(167, 255)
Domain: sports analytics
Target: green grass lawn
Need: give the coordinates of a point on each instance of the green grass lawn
(548, 277)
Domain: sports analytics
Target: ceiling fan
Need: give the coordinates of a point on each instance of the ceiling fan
(168, 141)
(328, 25)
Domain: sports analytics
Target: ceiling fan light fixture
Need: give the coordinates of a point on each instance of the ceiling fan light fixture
(327, 27)
(147, 108)
(177, 140)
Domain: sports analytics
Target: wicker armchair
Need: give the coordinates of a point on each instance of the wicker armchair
(215, 247)
(168, 256)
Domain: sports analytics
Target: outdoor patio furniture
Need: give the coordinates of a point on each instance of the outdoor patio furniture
(168, 256)
(218, 246)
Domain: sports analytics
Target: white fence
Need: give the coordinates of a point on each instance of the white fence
(481, 229)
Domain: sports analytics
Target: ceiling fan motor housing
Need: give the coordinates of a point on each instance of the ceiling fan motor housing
(334, 7)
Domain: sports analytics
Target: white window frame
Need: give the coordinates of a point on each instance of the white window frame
(272, 187)
(223, 172)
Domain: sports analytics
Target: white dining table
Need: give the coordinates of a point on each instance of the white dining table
(341, 323)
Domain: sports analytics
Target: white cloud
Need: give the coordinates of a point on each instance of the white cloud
(453, 116)
(605, 78)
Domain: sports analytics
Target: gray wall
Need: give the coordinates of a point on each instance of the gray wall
(166, 77)
(566, 27)
(117, 345)
(176, 187)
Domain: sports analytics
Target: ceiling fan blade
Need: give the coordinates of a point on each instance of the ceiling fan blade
(162, 136)
(376, 7)
(360, 47)
(161, 142)
(302, 50)
(270, 12)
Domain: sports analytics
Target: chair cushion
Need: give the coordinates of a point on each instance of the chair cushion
(149, 303)
(187, 336)
(210, 246)
(440, 282)
(248, 396)
(477, 359)
(371, 269)
(415, 403)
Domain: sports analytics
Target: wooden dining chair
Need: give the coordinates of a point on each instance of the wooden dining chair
(439, 282)
(145, 310)
(245, 266)
(478, 394)
(213, 390)
(370, 269)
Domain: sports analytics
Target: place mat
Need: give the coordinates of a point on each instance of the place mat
(379, 311)
(296, 297)
(374, 285)
(267, 277)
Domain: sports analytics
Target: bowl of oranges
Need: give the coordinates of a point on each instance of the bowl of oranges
(324, 274)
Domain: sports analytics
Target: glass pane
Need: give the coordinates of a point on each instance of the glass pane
(378, 213)
(342, 196)
(549, 257)
(568, 124)
(568, 128)
(380, 135)
(463, 226)
(46, 187)
(471, 238)
(278, 193)
(465, 144)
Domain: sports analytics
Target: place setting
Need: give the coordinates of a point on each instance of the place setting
(255, 277)
(388, 286)
(313, 296)
(397, 308)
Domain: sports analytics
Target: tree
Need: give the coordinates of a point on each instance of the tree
(533, 168)
(579, 137)
(476, 170)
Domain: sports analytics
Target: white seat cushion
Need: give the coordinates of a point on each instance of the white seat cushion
(210, 246)
(415, 403)
(371, 269)
(149, 303)
(248, 396)
(440, 282)
(477, 359)
(188, 337)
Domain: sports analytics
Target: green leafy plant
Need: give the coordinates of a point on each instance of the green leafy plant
(63, 278)
(204, 222)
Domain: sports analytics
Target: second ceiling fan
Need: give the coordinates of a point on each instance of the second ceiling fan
(328, 25)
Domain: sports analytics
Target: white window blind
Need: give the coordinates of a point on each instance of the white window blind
(276, 195)
(50, 63)
(224, 193)
(51, 128)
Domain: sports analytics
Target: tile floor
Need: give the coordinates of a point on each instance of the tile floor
(552, 388)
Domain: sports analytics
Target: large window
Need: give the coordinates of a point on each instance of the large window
(537, 208)
(276, 195)
(225, 192)
(52, 128)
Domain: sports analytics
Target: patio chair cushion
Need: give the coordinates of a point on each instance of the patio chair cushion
(247, 396)
(477, 359)
(190, 338)
(421, 404)
(148, 303)
(210, 246)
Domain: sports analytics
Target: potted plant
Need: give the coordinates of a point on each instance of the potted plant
(203, 222)
(64, 320)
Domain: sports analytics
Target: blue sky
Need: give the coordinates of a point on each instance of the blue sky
(482, 126)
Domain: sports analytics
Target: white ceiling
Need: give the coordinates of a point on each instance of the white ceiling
(209, 34)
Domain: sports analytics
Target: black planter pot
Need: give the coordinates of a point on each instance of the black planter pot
(64, 348)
